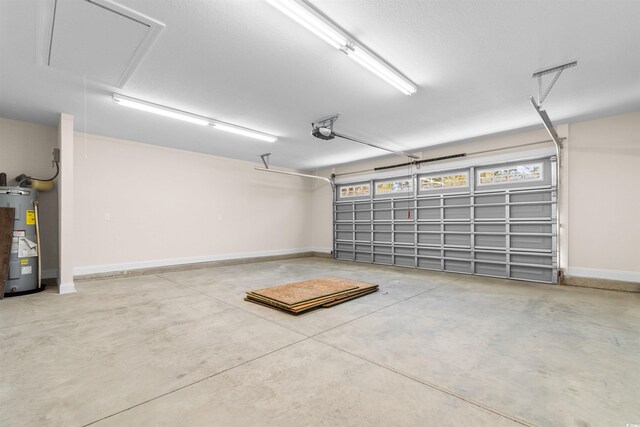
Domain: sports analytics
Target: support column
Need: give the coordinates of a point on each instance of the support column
(563, 199)
(65, 205)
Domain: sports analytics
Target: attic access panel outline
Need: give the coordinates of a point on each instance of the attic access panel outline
(97, 39)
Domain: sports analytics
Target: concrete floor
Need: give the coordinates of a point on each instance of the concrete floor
(429, 348)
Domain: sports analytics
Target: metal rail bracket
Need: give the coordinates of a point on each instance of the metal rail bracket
(265, 159)
(542, 96)
(558, 70)
(547, 124)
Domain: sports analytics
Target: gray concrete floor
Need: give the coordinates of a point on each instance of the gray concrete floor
(429, 348)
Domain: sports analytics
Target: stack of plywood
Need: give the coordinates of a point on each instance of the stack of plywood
(296, 298)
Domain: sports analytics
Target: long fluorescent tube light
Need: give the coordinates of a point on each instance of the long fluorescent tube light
(245, 132)
(306, 16)
(173, 113)
(374, 65)
(310, 18)
(160, 110)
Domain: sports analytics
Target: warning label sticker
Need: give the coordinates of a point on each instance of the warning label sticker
(26, 270)
(30, 216)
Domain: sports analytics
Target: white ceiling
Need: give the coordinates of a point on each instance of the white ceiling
(246, 63)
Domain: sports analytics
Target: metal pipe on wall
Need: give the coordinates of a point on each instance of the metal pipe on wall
(303, 175)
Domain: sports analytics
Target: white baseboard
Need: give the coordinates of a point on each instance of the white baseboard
(108, 268)
(67, 288)
(625, 276)
(321, 249)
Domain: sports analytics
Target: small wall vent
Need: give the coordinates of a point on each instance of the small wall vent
(100, 39)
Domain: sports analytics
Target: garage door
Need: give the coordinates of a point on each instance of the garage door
(492, 220)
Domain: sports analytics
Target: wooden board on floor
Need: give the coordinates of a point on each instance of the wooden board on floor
(6, 237)
(311, 307)
(308, 305)
(362, 287)
(310, 287)
(348, 298)
(301, 292)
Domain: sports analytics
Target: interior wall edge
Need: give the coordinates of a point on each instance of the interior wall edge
(66, 288)
(596, 273)
(126, 266)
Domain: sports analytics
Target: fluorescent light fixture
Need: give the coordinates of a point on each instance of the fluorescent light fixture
(313, 20)
(160, 110)
(173, 113)
(380, 69)
(245, 132)
(304, 15)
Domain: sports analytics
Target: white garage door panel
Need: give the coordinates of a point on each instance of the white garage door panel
(494, 220)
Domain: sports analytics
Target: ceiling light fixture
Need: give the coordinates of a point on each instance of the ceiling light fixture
(368, 61)
(313, 20)
(185, 116)
(161, 110)
(306, 16)
(226, 127)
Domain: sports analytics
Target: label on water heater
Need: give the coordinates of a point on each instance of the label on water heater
(26, 270)
(30, 216)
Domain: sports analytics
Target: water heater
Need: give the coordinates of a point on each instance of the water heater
(23, 262)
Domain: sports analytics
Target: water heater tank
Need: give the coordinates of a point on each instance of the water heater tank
(23, 262)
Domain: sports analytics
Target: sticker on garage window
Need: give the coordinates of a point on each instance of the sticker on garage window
(395, 186)
(526, 172)
(449, 180)
(359, 190)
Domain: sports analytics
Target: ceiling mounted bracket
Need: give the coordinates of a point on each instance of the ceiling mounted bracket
(558, 70)
(326, 122)
(265, 159)
(542, 96)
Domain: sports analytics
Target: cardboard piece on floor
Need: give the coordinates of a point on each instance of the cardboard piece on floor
(305, 306)
(349, 298)
(303, 290)
(300, 292)
(6, 238)
(359, 288)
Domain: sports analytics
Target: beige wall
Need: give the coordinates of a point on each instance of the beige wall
(604, 198)
(129, 196)
(599, 197)
(322, 218)
(26, 148)
(139, 205)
